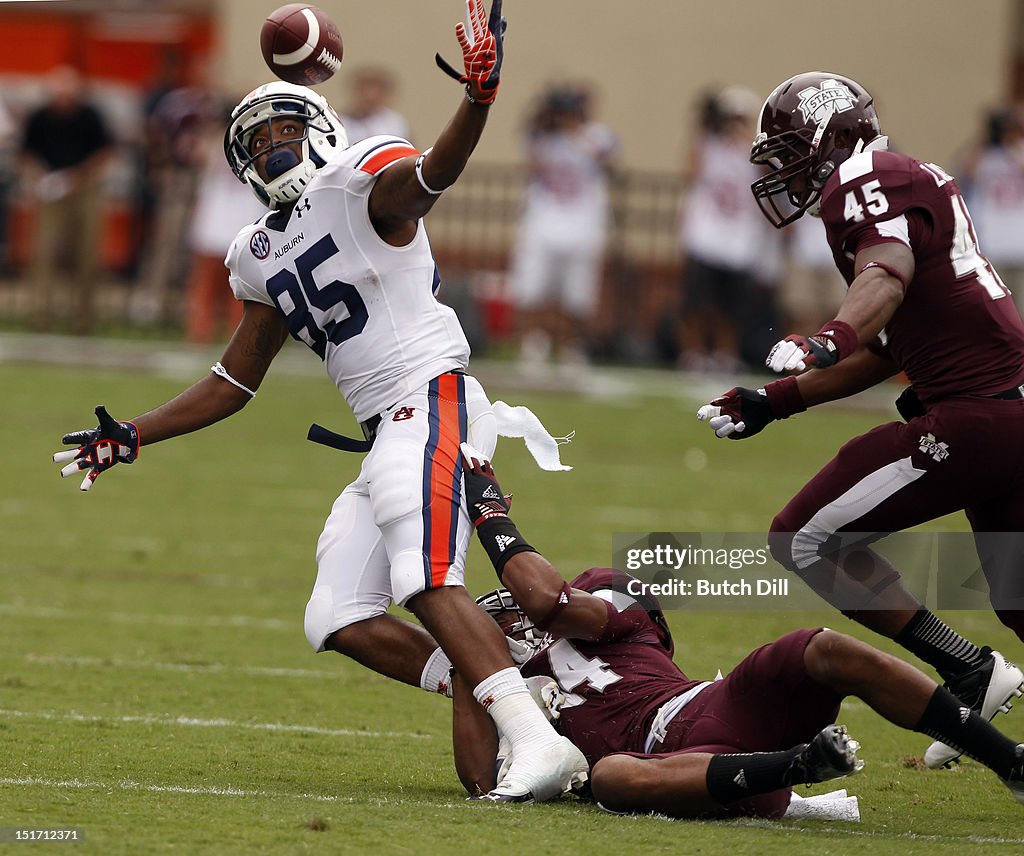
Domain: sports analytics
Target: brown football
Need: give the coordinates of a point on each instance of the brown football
(301, 44)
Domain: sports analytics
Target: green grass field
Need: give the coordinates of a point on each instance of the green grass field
(157, 691)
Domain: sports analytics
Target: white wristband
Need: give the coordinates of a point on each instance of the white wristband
(419, 174)
(220, 371)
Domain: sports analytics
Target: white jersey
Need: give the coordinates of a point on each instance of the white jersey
(720, 225)
(368, 309)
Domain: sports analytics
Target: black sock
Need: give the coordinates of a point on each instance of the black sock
(930, 638)
(735, 777)
(948, 720)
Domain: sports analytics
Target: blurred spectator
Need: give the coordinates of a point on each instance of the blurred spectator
(8, 141)
(177, 128)
(812, 288)
(724, 236)
(557, 260)
(65, 146)
(369, 112)
(993, 178)
(150, 150)
(223, 206)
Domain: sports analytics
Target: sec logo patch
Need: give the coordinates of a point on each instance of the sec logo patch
(259, 244)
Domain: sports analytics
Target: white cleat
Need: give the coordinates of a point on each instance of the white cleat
(989, 689)
(542, 776)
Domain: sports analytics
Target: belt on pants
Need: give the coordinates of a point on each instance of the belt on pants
(1013, 394)
(326, 437)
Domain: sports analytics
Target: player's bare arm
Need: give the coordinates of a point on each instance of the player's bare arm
(885, 270)
(537, 587)
(862, 370)
(252, 348)
(257, 340)
(541, 592)
(409, 189)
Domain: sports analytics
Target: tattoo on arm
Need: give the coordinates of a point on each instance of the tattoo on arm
(261, 343)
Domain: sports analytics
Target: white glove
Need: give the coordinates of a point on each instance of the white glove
(721, 423)
(520, 651)
(547, 694)
(786, 356)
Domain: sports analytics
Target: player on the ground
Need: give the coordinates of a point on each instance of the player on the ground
(922, 299)
(343, 264)
(658, 740)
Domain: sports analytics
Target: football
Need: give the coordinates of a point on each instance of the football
(301, 44)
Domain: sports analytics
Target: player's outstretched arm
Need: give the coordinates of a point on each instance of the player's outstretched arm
(741, 413)
(253, 347)
(541, 592)
(408, 190)
(885, 271)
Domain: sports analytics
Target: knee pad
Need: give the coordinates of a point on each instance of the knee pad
(408, 576)
(319, 617)
(396, 489)
(780, 545)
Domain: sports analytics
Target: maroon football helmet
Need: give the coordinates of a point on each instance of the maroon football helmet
(809, 125)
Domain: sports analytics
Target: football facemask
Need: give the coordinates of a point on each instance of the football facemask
(287, 171)
(523, 629)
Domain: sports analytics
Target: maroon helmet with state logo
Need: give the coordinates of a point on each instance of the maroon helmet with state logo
(809, 125)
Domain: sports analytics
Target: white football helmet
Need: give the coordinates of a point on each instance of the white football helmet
(494, 603)
(287, 173)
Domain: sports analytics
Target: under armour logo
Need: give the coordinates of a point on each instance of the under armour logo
(503, 541)
(403, 413)
(491, 493)
(741, 780)
(301, 207)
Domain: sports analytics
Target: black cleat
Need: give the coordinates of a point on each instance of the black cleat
(830, 755)
(987, 690)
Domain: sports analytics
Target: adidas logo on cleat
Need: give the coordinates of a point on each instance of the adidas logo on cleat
(503, 541)
(741, 780)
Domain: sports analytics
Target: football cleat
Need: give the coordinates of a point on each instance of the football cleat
(988, 689)
(1015, 781)
(830, 755)
(540, 777)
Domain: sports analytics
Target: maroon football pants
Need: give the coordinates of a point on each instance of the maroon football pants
(768, 703)
(964, 453)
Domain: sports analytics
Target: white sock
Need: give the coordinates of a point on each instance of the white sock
(437, 672)
(504, 695)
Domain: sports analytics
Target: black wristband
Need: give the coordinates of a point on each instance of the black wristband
(501, 541)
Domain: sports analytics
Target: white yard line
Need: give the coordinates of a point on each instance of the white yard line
(784, 828)
(129, 785)
(192, 722)
(146, 665)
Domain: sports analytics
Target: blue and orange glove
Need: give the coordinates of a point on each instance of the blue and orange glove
(99, 448)
(482, 42)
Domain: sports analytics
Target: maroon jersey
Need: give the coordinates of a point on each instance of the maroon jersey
(957, 331)
(614, 685)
